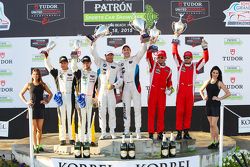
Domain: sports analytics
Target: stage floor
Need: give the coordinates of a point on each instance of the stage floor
(49, 140)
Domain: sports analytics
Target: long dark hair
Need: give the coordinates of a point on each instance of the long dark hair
(40, 77)
(217, 69)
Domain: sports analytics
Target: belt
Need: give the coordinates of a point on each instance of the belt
(160, 88)
(186, 84)
(128, 82)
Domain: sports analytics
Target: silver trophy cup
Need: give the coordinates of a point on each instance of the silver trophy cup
(154, 34)
(100, 31)
(138, 24)
(179, 27)
(77, 44)
(50, 46)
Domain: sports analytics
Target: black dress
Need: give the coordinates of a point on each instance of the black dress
(36, 95)
(213, 106)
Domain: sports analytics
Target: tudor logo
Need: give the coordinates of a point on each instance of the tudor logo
(232, 51)
(2, 82)
(232, 79)
(2, 54)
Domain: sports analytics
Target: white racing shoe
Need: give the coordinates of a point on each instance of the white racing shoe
(138, 135)
(113, 136)
(103, 136)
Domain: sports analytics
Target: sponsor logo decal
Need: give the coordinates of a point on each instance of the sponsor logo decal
(238, 14)
(45, 13)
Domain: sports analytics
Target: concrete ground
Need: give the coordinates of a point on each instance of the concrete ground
(5, 145)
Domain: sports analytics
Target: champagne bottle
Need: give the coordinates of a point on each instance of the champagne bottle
(164, 147)
(172, 146)
(86, 148)
(131, 148)
(78, 148)
(123, 148)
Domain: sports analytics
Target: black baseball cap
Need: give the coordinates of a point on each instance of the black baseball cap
(63, 58)
(85, 58)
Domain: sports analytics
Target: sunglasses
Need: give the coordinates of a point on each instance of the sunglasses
(187, 57)
(161, 57)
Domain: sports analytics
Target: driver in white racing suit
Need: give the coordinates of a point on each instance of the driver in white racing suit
(132, 87)
(110, 78)
(65, 83)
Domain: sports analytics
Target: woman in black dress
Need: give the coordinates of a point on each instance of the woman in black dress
(213, 87)
(37, 101)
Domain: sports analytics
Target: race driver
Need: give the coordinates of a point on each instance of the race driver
(187, 71)
(132, 87)
(65, 84)
(160, 84)
(109, 78)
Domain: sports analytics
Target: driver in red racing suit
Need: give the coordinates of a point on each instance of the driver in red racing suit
(187, 71)
(160, 82)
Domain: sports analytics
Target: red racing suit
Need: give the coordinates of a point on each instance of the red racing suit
(160, 80)
(185, 88)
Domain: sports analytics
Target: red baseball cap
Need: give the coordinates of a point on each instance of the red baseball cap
(188, 54)
(162, 53)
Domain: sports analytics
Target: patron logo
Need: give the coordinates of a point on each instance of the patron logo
(116, 42)
(6, 99)
(235, 96)
(232, 69)
(39, 43)
(193, 41)
(37, 57)
(45, 13)
(5, 45)
(238, 15)
(193, 10)
(232, 41)
(43, 70)
(4, 21)
(5, 72)
(198, 83)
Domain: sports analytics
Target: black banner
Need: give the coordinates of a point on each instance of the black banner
(29, 18)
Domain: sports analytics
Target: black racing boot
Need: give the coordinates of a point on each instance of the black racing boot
(151, 136)
(160, 136)
(63, 142)
(186, 135)
(72, 142)
(179, 135)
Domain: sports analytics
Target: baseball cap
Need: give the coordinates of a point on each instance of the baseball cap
(63, 58)
(162, 53)
(86, 58)
(109, 52)
(125, 45)
(188, 54)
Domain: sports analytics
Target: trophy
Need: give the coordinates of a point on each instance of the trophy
(178, 28)
(154, 34)
(76, 46)
(50, 45)
(100, 31)
(138, 24)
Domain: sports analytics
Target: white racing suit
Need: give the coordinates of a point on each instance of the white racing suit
(86, 80)
(65, 83)
(108, 73)
(132, 89)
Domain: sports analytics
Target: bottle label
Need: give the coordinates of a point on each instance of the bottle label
(86, 152)
(165, 152)
(131, 153)
(173, 151)
(77, 152)
(124, 154)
